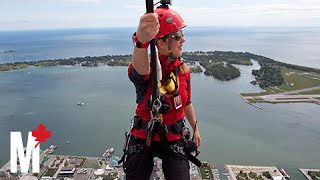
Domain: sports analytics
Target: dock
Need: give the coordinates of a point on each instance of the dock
(252, 104)
(284, 173)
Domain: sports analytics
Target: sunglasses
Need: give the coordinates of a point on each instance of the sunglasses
(177, 36)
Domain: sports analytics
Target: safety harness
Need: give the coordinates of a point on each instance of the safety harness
(178, 127)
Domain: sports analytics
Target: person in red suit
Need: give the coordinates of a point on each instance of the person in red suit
(165, 25)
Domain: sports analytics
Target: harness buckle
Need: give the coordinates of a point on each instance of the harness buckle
(177, 149)
(185, 132)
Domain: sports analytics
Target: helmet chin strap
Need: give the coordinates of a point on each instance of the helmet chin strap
(169, 52)
(171, 56)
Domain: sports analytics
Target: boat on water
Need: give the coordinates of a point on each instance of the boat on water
(108, 152)
(284, 173)
(53, 146)
(51, 149)
(80, 103)
(68, 142)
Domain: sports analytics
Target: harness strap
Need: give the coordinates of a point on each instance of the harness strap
(162, 130)
(175, 128)
(188, 156)
(194, 160)
(134, 149)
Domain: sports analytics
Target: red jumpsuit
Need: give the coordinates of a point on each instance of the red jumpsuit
(143, 87)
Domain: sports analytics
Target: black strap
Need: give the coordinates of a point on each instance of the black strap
(194, 160)
(175, 128)
(181, 151)
(134, 149)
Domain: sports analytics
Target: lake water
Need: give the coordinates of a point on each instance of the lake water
(233, 132)
(297, 45)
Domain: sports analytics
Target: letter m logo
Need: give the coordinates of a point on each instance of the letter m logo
(16, 148)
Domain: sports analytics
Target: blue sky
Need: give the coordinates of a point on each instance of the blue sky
(53, 14)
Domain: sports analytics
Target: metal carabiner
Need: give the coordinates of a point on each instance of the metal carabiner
(186, 133)
(156, 105)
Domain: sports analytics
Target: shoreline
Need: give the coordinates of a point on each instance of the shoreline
(56, 164)
(94, 164)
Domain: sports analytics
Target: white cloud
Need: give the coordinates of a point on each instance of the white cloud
(290, 14)
(85, 1)
(74, 13)
(132, 7)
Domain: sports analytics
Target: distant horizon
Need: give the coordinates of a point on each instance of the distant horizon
(297, 45)
(39, 14)
(129, 27)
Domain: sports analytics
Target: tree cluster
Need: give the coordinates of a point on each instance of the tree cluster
(267, 174)
(268, 76)
(222, 56)
(119, 63)
(251, 175)
(195, 69)
(220, 71)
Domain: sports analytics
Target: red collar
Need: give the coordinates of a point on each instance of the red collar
(167, 67)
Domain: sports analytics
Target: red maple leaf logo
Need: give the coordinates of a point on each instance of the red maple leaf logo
(41, 134)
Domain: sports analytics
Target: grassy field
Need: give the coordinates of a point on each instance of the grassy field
(298, 80)
(311, 92)
(50, 172)
(92, 163)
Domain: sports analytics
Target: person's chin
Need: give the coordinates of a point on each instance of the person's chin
(179, 53)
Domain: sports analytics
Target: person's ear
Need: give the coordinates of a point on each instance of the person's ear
(161, 44)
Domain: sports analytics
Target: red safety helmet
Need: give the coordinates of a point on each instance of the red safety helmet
(170, 21)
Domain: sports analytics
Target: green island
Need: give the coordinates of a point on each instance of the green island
(219, 70)
(281, 82)
(8, 51)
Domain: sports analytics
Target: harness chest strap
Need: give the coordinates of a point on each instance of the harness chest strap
(175, 128)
